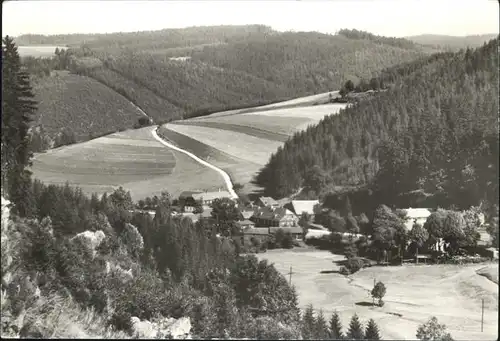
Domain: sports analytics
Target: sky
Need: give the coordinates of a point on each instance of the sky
(395, 18)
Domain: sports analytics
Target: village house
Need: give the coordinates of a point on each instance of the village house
(271, 217)
(246, 214)
(304, 206)
(256, 231)
(187, 202)
(259, 233)
(416, 215)
(244, 224)
(207, 198)
(267, 202)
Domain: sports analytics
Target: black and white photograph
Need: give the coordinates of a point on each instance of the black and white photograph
(250, 170)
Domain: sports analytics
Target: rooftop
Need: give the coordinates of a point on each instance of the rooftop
(270, 213)
(307, 206)
(257, 230)
(245, 223)
(187, 194)
(413, 213)
(247, 214)
(268, 201)
(296, 229)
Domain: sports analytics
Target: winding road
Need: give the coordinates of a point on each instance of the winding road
(225, 176)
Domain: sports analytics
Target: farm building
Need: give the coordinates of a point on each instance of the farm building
(267, 202)
(316, 234)
(493, 252)
(244, 224)
(256, 231)
(416, 215)
(279, 216)
(208, 197)
(307, 206)
(188, 194)
(246, 214)
(296, 232)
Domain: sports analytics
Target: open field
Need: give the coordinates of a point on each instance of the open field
(38, 50)
(132, 159)
(452, 293)
(241, 144)
(240, 170)
(281, 122)
(312, 100)
(82, 104)
(247, 147)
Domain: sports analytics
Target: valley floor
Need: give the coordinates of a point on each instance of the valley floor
(452, 293)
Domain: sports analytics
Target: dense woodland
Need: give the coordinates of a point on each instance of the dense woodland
(433, 135)
(149, 40)
(307, 62)
(452, 43)
(229, 67)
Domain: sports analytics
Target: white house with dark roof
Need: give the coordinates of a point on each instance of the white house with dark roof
(243, 224)
(307, 206)
(267, 202)
(416, 215)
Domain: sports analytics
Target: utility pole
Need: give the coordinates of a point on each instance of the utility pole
(482, 313)
(290, 273)
(373, 298)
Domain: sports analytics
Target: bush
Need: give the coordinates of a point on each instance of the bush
(381, 303)
(287, 241)
(344, 271)
(354, 264)
(255, 242)
(263, 247)
(121, 321)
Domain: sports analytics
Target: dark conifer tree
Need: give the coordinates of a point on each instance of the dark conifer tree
(320, 327)
(335, 327)
(308, 323)
(18, 108)
(372, 331)
(355, 331)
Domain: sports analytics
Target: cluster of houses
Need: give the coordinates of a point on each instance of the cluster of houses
(266, 216)
(260, 219)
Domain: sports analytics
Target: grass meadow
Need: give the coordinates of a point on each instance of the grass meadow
(132, 159)
(38, 50)
(242, 143)
(452, 293)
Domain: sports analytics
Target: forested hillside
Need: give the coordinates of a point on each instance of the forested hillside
(433, 133)
(225, 67)
(161, 39)
(188, 86)
(253, 67)
(309, 62)
(452, 42)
